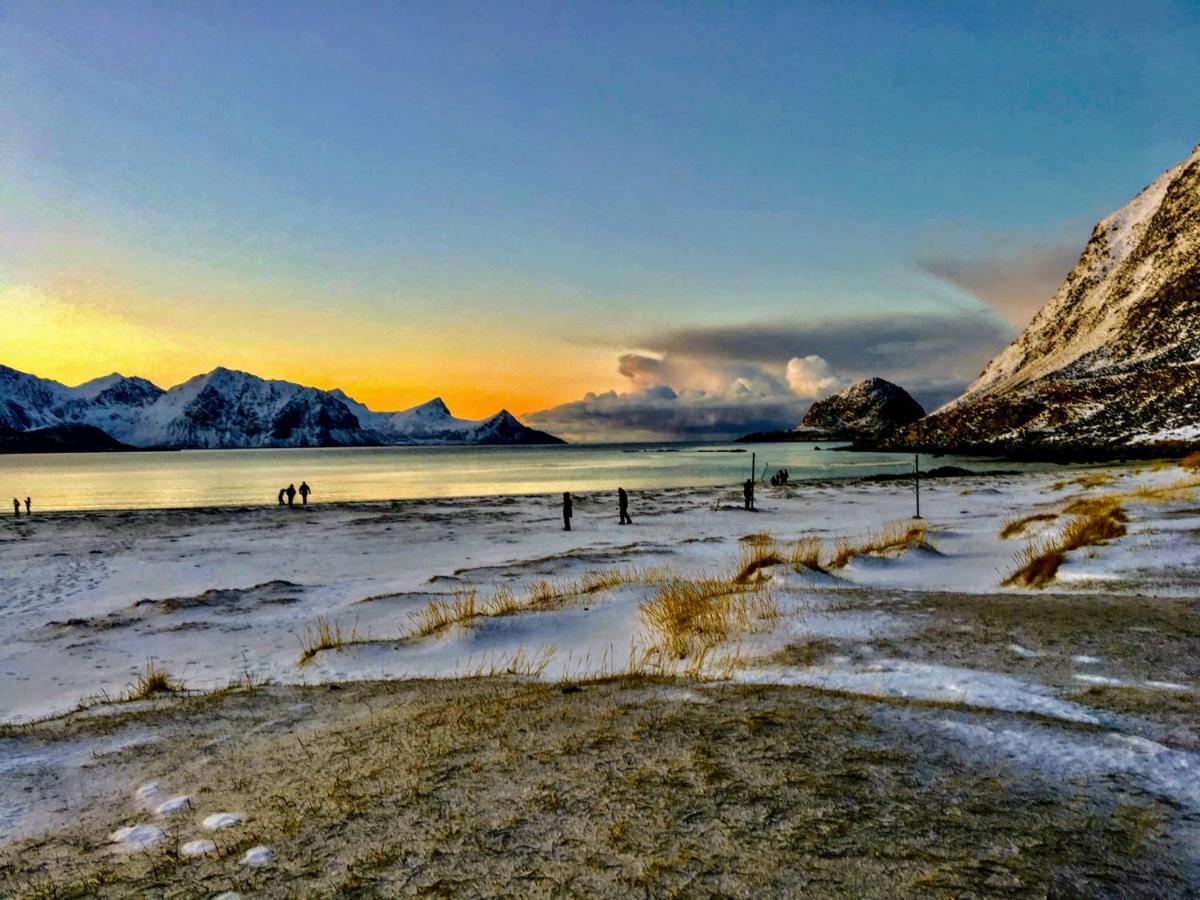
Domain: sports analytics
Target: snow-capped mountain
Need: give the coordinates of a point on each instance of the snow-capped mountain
(867, 409)
(1113, 360)
(226, 408)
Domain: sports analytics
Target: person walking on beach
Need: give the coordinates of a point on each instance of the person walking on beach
(748, 493)
(305, 490)
(16, 507)
(567, 510)
(291, 494)
(623, 506)
(282, 492)
(28, 507)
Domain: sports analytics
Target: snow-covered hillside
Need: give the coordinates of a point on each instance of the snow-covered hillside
(864, 410)
(226, 409)
(1113, 359)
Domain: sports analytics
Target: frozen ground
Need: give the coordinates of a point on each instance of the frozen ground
(1091, 681)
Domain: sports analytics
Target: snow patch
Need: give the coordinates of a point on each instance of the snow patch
(221, 820)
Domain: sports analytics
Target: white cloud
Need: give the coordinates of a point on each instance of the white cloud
(812, 377)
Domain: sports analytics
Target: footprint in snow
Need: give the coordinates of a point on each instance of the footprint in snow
(137, 837)
(221, 820)
(197, 848)
(174, 805)
(258, 856)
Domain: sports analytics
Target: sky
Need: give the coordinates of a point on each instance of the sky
(617, 220)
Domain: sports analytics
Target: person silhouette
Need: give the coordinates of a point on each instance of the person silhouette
(567, 510)
(291, 494)
(623, 506)
(305, 490)
(28, 507)
(748, 493)
(282, 493)
(16, 507)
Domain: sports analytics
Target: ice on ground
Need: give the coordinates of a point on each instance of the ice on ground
(929, 682)
(174, 805)
(197, 848)
(137, 837)
(258, 856)
(1085, 660)
(221, 820)
(1024, 651)
(1105, 680)
(1170, 773)
(1167, 686)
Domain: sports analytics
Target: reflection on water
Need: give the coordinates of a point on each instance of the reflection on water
(245, 477)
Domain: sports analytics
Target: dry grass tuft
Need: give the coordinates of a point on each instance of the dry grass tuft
(1016, 526)
(806, 554)
(758, 552)
(441, 614)
(693, 615)
(1092, 522)
(1191, 462)
(150, 683)
(326, 635)
(892, 538)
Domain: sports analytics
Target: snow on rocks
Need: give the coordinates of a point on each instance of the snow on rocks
(148, 792)
(174, 805)
(218, 821)
(1104, 680)
(1085, 660)
(258, 856)
(197, 848)
(137, 837)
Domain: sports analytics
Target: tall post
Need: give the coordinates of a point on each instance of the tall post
(753, 466)
(917, 482)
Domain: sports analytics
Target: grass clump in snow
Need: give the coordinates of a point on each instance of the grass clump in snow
(1092, 522)
(894, 537)
(439, 615)
(151, 682)
(758, 552)
(806, 554)
(1191, 462)
(327, 634)
(1017, 525)
(690, 616)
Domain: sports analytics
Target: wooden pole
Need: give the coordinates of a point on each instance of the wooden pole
(917, 482)
(753, 466)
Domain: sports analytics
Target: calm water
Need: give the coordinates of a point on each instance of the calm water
(245, 477)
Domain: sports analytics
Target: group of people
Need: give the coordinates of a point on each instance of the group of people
(17, 507)
(568, 508)
(780, 477)
(287, 495)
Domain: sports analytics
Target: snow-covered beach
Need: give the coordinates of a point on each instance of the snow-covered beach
(1087, 685)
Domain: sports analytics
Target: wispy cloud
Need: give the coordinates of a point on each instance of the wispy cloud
(1013, 276)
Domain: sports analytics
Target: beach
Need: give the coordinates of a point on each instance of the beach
(822, 696)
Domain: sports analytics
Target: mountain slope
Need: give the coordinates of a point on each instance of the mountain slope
(864, 410)
(1113, 360)
(58, 439)
(231, 409)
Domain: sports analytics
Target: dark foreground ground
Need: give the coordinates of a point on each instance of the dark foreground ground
(624, 788)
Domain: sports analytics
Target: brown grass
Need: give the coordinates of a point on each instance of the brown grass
(758, 552)
(153, 681)
(326, 635)
(806, 554)
(892, 538)
(1016, 526)
(442, 614)
(1191, 462)
(690, 616)
(1093, 521)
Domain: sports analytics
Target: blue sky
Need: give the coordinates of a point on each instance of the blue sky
(518, 193)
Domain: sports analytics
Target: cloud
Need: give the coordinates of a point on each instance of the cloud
(1013, 277)
(724, 381)
(811, 376)
(662, 413)
(913, 347)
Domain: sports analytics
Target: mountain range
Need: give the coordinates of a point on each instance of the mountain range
(1111, 363)
(226, 409)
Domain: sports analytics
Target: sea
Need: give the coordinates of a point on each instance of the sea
(203, 478)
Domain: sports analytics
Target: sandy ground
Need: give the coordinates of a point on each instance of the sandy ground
(903, 725)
